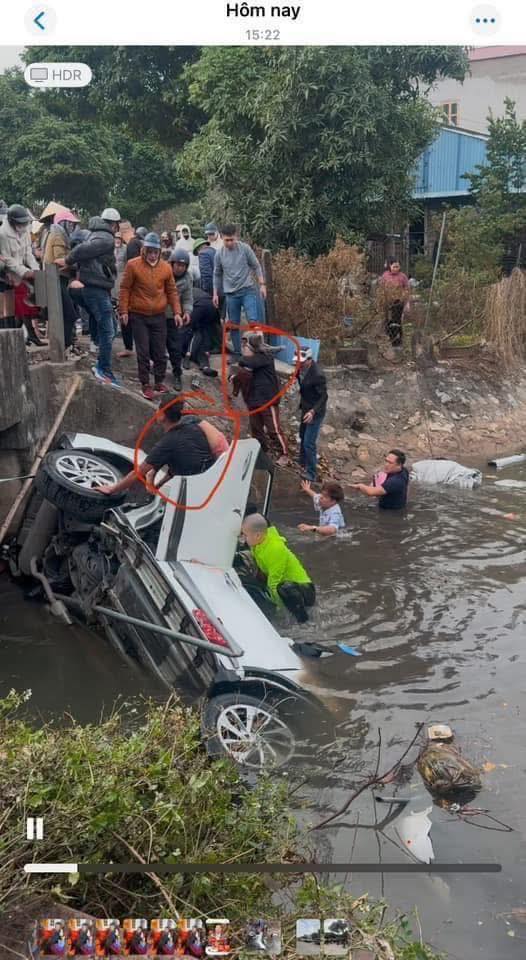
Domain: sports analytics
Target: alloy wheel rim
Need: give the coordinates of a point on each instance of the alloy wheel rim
(254, 736)
(84, 471)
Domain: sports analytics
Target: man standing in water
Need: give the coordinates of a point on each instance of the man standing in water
(391, 489)
(287, 580)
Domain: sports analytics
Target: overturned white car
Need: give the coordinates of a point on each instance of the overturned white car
(162, 583)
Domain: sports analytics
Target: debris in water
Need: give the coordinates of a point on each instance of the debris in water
(439, 731)
(488, 766)
(352, 651)
(413, 831)
(511, 484)
(446, 773)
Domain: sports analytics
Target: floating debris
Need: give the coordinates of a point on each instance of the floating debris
(413, 832)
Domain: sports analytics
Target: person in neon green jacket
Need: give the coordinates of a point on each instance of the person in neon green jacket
(287, 580)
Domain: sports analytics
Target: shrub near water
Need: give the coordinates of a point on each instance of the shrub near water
(139, 787)
(136, 787)
(313, 296)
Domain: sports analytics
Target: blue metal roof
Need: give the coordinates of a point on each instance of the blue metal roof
(440, 169)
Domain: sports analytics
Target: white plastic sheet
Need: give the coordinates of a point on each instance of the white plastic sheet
(446, 471)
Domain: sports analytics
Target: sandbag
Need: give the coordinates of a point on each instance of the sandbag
(446, 471)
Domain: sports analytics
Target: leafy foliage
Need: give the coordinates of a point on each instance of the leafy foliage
(499, 185)
(481, 238)
(332, 287)
(141, 88)
(54, 158)
(82, 161)
(309, 144)
(300, 144)
(138, 786)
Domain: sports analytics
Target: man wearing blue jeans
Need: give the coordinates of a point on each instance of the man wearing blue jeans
(97, 270)
(313, 406)
(235, 267)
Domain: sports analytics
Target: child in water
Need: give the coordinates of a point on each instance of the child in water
(327, 503)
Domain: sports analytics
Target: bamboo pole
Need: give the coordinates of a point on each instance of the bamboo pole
(435, 269)
(39, 457)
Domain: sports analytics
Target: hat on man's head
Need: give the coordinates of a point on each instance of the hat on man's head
(304, 354)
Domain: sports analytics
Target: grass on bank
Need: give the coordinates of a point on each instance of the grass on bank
(138, 786)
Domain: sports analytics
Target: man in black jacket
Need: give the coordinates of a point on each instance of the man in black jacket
(97, 271)
(262, 390)
(205, 323)
(313, 406)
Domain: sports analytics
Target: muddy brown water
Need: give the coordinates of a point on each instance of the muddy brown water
(435, 601)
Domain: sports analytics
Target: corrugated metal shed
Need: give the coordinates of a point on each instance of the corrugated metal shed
(441, 167)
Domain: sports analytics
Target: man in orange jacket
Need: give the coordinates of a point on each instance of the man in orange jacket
(147, 288)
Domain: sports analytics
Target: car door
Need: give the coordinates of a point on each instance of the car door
(199, 532)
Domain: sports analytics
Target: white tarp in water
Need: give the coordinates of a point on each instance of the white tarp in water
(446, 471)
(413, 831)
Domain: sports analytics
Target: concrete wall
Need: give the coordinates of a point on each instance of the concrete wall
(487, 86)
(118, 415)
(31, 399)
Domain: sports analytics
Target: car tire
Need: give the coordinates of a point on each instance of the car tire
(56, 482)
(271, 745)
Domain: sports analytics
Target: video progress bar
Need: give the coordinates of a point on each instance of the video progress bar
(166, 868)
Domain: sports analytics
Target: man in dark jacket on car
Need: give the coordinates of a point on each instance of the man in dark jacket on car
(97, 271)
(313, 406)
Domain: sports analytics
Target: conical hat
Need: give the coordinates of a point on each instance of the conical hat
(51, 209)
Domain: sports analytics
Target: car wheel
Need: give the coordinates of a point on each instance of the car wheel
(69, 480)
(249, 730)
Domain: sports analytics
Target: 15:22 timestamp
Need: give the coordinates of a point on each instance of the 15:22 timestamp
(264, 36)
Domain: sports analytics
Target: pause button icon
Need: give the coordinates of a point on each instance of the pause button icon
(35, 828)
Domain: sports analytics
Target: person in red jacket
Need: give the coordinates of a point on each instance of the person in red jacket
(147, 287)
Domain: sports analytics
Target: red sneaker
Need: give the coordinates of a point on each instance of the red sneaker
(160, 388)
(147, 392)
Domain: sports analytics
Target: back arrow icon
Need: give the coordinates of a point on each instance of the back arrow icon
(38, 18)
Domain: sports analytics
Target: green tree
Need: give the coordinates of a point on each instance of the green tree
(480, 236)
(310, 143)
(141, 89)
(499, 185)
(18, 110)
(148, 179)
(83, 162)
(57, 159)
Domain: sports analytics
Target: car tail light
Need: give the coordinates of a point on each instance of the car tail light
(211, 633)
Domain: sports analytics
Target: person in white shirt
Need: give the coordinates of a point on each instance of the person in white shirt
(327, 503)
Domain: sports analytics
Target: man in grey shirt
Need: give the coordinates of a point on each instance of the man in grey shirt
(235, 267)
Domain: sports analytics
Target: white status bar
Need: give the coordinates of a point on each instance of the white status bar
(231, 22)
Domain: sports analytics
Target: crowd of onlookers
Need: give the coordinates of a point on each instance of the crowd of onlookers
(168, 295)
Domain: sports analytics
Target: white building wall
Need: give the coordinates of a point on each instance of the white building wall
(485, 89)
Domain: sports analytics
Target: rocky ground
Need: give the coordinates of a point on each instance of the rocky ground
(460, 411)
(466, 410)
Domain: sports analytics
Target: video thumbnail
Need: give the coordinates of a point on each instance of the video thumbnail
(262, 475)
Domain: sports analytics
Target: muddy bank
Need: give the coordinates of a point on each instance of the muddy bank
(463, 410)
